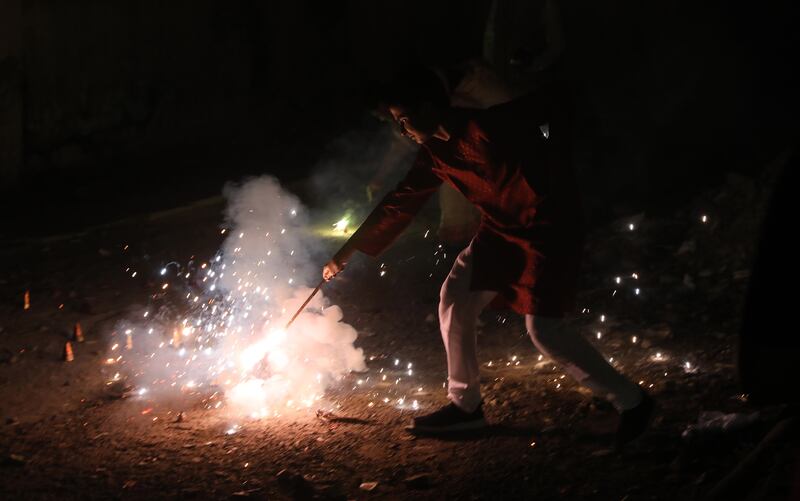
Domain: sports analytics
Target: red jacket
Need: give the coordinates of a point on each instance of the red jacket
(528, 245)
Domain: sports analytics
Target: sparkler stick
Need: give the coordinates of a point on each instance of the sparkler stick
(311, 296)
(308, 300)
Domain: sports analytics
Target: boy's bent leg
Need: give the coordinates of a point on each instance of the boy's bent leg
(564, 345)
(459, 308)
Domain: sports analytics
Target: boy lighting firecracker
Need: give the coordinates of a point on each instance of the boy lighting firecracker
(526, 252)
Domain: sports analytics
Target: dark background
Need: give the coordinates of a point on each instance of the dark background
(109, 109)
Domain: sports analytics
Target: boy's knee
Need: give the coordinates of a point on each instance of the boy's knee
(452, 290)
(446, 294)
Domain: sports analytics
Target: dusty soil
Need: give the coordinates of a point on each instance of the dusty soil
(67, 434)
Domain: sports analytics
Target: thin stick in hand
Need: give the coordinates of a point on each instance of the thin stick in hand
(305, 303)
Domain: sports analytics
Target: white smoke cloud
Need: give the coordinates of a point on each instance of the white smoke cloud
(231, 337)
(268, 251)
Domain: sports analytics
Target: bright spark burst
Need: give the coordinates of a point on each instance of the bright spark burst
(341, 225)
(213, 325)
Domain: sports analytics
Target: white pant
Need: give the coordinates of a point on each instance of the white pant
(459, 308)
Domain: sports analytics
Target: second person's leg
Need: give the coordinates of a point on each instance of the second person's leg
(555, 339)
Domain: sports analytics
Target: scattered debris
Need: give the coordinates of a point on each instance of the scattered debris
(368, 486)
(335, 418)
(118, 389)
(419, 481)
(715, 422)
(12, 460)
(7, 356)
(294, 484)
(245, 493)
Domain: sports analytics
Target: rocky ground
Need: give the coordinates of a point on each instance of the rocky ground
(661, 296)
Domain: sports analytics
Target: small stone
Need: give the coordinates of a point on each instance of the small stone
(660, 331)
(741, 274)
(7, 356)
(13, 460)
(368, 486)
(419, 481)
(296, 484)
(686, 248)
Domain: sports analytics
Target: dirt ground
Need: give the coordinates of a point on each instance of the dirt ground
(66, 434)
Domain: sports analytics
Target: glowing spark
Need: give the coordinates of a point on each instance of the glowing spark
(341, 225)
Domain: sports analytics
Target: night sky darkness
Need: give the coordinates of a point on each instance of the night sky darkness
(136, 106)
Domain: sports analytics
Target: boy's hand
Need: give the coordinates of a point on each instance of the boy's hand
(337, 262)
(331, 269)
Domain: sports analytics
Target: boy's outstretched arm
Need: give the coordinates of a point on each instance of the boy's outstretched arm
(392, 215)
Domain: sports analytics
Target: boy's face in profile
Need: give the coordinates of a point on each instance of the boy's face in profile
(417, 126)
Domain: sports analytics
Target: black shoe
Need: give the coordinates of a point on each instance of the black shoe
(633, 422)
(448, 419)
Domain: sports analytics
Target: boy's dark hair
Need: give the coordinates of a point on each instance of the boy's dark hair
(413, 87)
